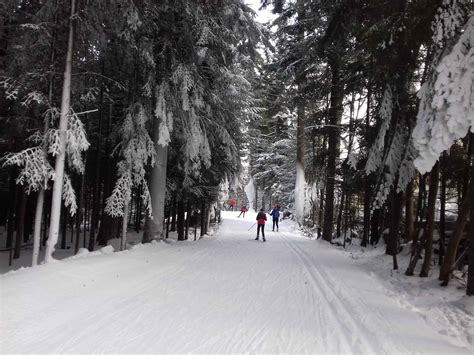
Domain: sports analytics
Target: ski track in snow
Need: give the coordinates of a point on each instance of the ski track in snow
(223, 294)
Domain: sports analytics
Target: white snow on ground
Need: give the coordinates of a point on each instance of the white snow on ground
(224, 293)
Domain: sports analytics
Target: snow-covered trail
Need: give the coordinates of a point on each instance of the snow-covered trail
(225, 293)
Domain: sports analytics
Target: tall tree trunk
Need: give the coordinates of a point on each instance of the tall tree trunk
(339, 216)
(180, 219)
(409, 216)
(367, 185)
(64, 230)
(203, 219)
(470, 274)
(335, 113)
(37, 228)
(20, 222)
(300, 178)
(393, 236)
(430, 220)
(173, 215)
(366, 232)
(453, 245)
(79, 214)
(61, 157)
(12, 205)
(442, 212)
(300, 127)
(123, 244)
(375, 228)
(463, 216)
(188, 217)
(155, 227)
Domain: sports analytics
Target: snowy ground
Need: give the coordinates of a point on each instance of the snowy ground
(228, 293)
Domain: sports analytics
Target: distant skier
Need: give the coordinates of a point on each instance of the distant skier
(243, 209)
(261, 219)
(231, 204)
(275, 213)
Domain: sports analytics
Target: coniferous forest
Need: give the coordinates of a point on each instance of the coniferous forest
(354, 115)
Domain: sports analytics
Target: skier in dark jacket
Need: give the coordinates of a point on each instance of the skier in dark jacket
(275, 213)
(261, 219)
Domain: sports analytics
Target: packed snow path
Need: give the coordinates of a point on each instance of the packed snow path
(225, 293)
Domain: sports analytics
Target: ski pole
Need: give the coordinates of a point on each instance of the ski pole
(252, 226)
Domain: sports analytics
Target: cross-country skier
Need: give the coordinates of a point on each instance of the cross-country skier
(275, 213)
(261, 219)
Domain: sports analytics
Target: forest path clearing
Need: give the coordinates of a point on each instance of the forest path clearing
(225, 293)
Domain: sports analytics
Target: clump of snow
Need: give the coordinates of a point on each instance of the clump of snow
(447, 104)
(81, 253)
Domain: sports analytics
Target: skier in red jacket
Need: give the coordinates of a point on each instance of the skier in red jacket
(261, 219)
(242, 211)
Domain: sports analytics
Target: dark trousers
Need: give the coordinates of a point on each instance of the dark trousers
(275, 222)
(262, 227)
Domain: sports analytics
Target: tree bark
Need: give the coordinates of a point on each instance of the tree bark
(61, 157)
(64, 230)
(442, 213)
(339, 216)
(123, 244)
(20, 222)
(335, 113)
(180, 219)
(300, 127)
(154, 226)
(463, 216)
(409, 217)
(430, 220)
(188, 217)
(173, 215)
(470, 197)
(37, 228)
(12, 203)
(79, 214)
(393, 241)
(203, 217)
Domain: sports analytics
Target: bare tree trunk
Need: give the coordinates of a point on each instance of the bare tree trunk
(335, 113)
(61, 157)
(442, 213)
(463, 216)
(180, 219)
(79, 215)
(123, 244)
(470, 196)
(346, 219)
(300, 127)
(20, 222)
(365, 237)
(409, 217)
(375, 227)
(430, 220)
(203, 219)
(188, 217)
(13, 200)
(64, 230)
(37, 228)
(173, 215)
(339, 216)
(367, 186)
(321, 213)
(393, 237)
(155, 227)
(300, 178)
